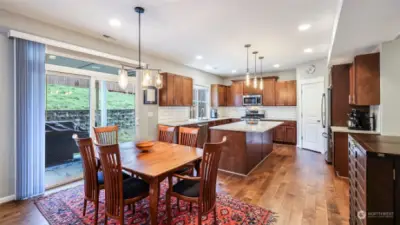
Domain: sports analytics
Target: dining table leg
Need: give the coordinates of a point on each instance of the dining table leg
(154, 190)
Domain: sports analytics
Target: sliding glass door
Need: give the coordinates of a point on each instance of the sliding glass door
(80, 95)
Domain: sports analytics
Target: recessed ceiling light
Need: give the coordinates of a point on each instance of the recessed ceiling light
(52, 57)
(304, 27)
(308, 50)
(233, 71)
(114, 22)
(277, 65)
(199, 57)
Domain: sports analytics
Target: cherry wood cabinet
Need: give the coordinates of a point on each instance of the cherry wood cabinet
(250, 90)
(218, 95)
(286, 93)
(268, 95)
(286, 133)
(235, 93)
(365, 80)
(177, 90)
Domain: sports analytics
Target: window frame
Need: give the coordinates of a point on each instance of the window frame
(196, 100)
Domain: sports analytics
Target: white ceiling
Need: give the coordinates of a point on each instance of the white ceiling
(362, 26)
(178, 30)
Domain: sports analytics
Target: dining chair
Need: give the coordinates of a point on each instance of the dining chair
(93, 177)
(106, 135)
(188, 136)
(118, 192)
(200, 190)
(166, 133)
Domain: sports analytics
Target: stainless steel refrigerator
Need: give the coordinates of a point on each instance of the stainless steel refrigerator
(326, 105)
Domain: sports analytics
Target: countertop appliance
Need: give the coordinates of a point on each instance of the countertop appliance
(252, 100)
(254, 114)
(326, 110)
(214, 113)
(359, 120)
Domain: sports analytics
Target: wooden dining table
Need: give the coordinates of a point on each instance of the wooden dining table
(155, 165)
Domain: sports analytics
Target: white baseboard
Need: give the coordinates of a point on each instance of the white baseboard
(7, 199)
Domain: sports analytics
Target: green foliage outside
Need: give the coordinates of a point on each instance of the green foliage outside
(60, 97)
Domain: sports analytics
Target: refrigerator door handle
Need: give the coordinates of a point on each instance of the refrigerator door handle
(323, 110)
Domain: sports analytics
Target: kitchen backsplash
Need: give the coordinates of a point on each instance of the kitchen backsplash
(273, 112)
(168, 114)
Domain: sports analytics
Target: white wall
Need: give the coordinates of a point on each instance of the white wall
(321, 70)
(390, 91)
(148, 114)
(7, 171)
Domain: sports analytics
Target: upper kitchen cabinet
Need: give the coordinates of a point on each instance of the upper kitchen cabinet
(268, 94)
(218, 95)
(250, 90)
(234, 93)
(177, 90)
(285, 93)
(365, 80)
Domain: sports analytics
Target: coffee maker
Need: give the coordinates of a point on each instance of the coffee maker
(214, 113)
(358, 120)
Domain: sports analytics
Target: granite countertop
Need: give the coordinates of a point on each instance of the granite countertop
(194, 121)
(378, 144)
(242, 126)
(347, 130)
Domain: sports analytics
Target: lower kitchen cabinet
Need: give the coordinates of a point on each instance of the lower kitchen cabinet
(374, 184)
(286, 133)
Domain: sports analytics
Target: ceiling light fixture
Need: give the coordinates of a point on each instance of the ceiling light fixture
(52, 57)
(308, 50)
(247, 46)
(304, 27)
(261, 70)
(114, 22)
(277, 65)
(255, 70)
(208, 67)
(234, 71)
(199, 57)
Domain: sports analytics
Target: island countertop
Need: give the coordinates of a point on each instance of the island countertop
(242, 126)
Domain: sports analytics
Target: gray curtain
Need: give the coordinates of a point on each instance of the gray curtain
(30, 124)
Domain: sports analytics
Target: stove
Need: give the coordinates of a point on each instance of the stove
(254, 114)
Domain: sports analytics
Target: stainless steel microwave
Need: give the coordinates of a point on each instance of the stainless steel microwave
(249, 100)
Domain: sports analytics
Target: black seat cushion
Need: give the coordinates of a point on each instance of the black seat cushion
(189, 188)
(183, 170)
(100, 176)
(134, 187)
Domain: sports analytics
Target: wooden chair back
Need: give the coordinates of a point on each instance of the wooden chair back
(112, 169)
(166, 133)
(208, 175)
(90, 166)
(106, 135)
(188, 136)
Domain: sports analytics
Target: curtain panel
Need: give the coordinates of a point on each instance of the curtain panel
(30, 118)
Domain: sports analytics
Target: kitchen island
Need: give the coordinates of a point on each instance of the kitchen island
(246, 147)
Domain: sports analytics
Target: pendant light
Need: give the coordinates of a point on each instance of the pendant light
(255, 70)
(123, 78)
(148, 77)
(247, 70)
(261, 70)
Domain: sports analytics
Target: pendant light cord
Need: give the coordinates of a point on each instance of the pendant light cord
(140, 50)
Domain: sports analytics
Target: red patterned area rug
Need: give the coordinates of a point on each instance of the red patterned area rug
(65, 207)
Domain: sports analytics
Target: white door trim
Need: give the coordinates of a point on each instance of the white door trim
(300, 106)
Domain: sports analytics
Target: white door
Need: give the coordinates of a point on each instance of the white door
(311, 116)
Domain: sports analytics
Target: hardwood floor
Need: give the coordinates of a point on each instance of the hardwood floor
(297, 184)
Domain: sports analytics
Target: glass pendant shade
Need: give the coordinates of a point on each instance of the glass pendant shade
(159, 82)
(255, 82)
(247, 79)
(123, 78)
(261, 84)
